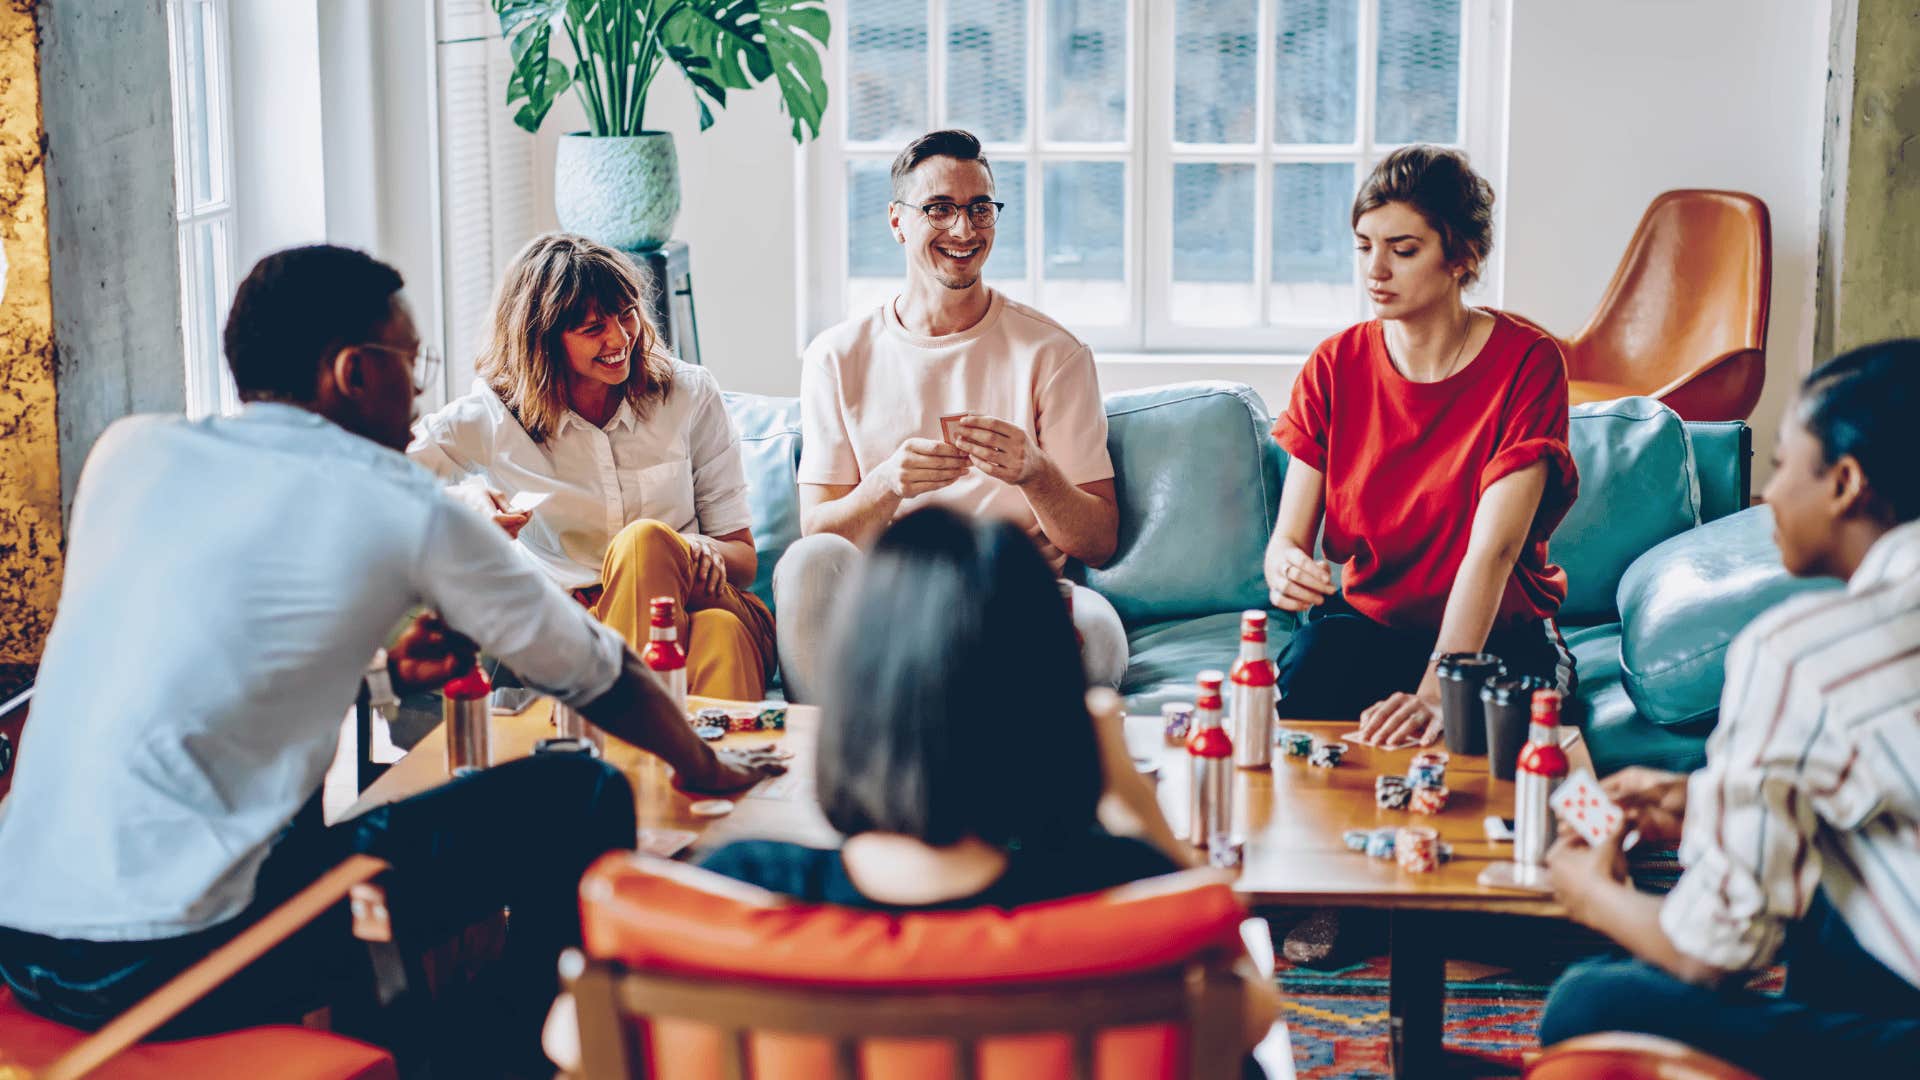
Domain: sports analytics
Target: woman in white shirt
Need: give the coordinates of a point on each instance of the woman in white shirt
(615, 465)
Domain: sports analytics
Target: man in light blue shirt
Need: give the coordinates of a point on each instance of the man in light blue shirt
(227, 580)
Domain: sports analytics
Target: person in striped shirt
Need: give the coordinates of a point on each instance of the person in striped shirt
(1801, 834)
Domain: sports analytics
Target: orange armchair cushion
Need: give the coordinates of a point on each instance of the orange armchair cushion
(663, 916)
(262, 1053)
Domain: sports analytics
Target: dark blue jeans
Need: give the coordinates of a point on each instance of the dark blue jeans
(1843, 1011)
(517, 835)
(1339, 661)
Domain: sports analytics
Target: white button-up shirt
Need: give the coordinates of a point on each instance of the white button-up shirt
(1813, 776)
(226, 582)
(679, 465)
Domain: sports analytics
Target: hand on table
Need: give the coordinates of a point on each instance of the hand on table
(1579, 870)
(1001, 450)
(1296, 581)
(920, 466)
(426, 654)
(735, 770)
(1652, 802)
(709, 566)
(1404, 719)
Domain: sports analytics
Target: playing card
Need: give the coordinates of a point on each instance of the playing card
(946, 427)
(526, 502)
(1585, 808)
(666, 843)
(1355, 738)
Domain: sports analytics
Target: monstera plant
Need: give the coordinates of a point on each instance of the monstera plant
(617, 181)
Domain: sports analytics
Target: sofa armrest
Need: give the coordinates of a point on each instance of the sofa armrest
(1683, 602)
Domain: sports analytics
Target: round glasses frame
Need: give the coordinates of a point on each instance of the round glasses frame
(944, 215)
(424, 363)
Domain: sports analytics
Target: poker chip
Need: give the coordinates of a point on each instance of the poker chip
(1326, 755)
(1356, 839)
(1380, 844)
(743, 719)
(1428, 800)
(1417, 850)
(710, 715)
(711, 732)
(1176, 717)
(773, 716)
(712, 808)
(1391, 791)
(1299, 744)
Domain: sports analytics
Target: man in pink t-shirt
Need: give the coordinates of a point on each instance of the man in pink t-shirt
(948, 394)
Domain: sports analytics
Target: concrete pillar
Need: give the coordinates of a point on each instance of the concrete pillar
(30, 532)
(1870, 217)
(106, 104)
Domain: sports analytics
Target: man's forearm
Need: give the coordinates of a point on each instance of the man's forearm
(859, 515)
(1078, 522)
(636, 710)
(1632, 918)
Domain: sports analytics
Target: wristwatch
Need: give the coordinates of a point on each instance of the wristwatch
(379, 682)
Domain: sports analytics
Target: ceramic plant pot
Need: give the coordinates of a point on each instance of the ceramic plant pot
(621, 190)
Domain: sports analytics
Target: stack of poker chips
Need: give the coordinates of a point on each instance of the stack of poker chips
(1295, 743)
(710, 724)
(1417, 850)
(1427, 799)
(1177, 719)
(773, 716)
(1325, 755)
(1429, 769)
(1380, 844)
(1391, 791)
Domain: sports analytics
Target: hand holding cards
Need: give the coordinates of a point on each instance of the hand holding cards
(1583, 807)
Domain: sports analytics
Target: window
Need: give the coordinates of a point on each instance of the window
(1177, 173)
(203, 195)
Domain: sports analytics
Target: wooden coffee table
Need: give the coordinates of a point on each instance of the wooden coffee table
(1294, 816)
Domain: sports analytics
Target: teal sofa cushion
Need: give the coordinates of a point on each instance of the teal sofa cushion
(1685, 601)
(1199, 483)
(1165, 656)
(770, 450)
(1616, 734)
(1637, 488)
(1722, 460)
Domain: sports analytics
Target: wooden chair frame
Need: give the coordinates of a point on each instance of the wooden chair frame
(1203, 997)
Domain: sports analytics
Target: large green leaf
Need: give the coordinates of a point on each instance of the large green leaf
(538, 79)
(744, 42)
(796, 34)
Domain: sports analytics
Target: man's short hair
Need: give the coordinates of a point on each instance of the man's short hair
(1862, 404)
(297, 308)
(951, 142)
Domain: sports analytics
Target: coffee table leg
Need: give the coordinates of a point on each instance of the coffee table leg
(1416, 993)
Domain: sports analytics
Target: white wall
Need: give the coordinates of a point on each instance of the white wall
(737, 184)
(1614, 103)
(279, 183)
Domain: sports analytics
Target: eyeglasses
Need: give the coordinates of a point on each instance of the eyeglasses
(944, 215)
(424, 369)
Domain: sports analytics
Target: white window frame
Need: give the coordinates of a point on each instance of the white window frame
(822, 262)
(209, 385)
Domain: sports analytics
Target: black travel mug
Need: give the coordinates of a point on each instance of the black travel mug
(1461, 675)
(1508, 705)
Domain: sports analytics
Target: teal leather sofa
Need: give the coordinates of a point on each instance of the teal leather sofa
(1665, 563)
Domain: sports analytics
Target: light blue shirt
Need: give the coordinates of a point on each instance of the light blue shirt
(227, 581)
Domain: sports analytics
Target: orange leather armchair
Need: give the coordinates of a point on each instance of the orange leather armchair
(1685, 318)
(1619, 1055)
(698, 977)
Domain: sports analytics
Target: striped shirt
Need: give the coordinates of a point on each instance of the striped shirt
(1813, 776)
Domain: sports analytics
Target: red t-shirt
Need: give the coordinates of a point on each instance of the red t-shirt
(1405, 463)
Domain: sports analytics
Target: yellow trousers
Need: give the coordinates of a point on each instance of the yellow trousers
(728, 638)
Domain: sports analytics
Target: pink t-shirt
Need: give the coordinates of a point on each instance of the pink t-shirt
(868, 385)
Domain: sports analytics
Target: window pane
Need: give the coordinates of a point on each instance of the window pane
(203, 137)
(1312, 244)
(1316, 63)
(1419, 79)
(1008, 262)
(1085, 243)
(872, 251)
(1213, 245)
(1087, 70)
(987, 68)
(886, 69)
(1214, 74)
(205, 283)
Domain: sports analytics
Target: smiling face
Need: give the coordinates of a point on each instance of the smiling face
(1403, 261)
(953, 256)
(600, 349)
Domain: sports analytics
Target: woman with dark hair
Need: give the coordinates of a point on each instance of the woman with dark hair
(615, 465)
(957, 755)
(1433, 442)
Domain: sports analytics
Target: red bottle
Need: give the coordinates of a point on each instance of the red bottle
(663, 655)
(1253, 680)
(1210, 762)
(1542, 766)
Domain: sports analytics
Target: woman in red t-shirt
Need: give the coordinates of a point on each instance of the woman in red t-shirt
(1435, 440)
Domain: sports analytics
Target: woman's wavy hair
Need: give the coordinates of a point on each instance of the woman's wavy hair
(556, 283)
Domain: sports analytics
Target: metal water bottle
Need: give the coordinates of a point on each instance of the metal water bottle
(1252, 701)
(466, 707)
(663, 654)
(1210, 765)
(1542, 766)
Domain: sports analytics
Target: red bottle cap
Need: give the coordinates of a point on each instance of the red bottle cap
(468, 687)
(1253, 626)
(662, 609)
(1546, 706)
